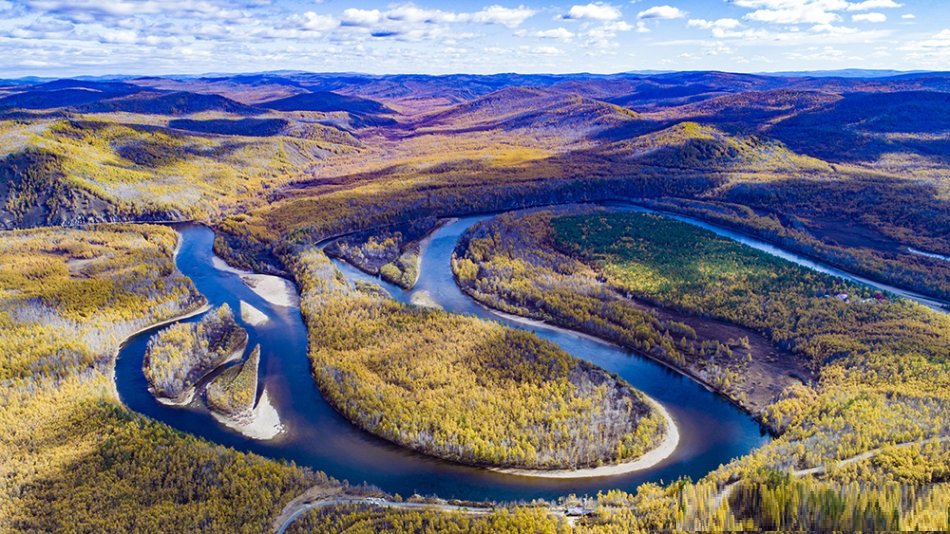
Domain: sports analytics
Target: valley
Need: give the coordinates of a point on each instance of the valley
(509, 190)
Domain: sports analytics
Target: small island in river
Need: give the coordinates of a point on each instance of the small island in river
(180, 356)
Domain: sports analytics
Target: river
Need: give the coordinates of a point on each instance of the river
(930, 302)
(712, 431)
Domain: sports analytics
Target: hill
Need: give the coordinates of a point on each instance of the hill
(864, 126)
(541, 111)
(328, 101)
(65, 93)
(35, 191)
(180, 103)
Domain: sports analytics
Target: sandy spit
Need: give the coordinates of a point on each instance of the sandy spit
(273, 289)
(252, 315)
(264, 423)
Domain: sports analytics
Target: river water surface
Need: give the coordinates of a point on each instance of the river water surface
(712, 431)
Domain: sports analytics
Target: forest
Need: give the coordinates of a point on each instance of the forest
(850, 172)
(181, 355)
(391, 253)
(510, 263)
(461, 388)
(74, 458)
(878, 359)
(234, 392)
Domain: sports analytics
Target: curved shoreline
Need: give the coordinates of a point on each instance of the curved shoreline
(528, 321)
(185, 398)
(651, 458)
(263, 423)
(115, 354)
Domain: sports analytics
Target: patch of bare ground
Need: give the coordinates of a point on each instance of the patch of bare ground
(759, 379)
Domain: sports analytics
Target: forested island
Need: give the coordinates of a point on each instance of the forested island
(233, 393)
(180, 356)
(392, 253)
(464, 389)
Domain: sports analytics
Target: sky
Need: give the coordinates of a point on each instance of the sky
(60, 38)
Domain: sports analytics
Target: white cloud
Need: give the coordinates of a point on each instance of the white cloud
(511, 18)
(413, 13)
(939, 42)
(557, 33)
(96, 11)
(869, 17)
(598, 11)
(908, 16)
(545, 51)
(618, 26)
(832, 29)
(723, 24)
(314, 22)
(873, 4)
(361, 17)
(120, 37)
(662, 12)
(827, 53)
(802, 14)
(603, 37)
(90, 11)
(822, 12)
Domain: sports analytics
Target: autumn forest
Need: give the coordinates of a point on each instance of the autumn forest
(781, 241)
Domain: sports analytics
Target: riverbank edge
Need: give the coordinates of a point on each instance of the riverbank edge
(189, 394)
(649, 459)
(422, 244)
(115, 354)
(529, 321)
(262, 424)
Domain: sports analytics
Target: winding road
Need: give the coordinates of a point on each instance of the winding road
(290, 513)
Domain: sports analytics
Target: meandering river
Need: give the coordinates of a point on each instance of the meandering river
(712, 431)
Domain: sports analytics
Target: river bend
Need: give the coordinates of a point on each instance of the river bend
(712, 431)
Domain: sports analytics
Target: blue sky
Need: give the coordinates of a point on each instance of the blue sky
(151, 37)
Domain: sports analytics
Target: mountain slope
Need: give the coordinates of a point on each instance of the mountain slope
(180, 103)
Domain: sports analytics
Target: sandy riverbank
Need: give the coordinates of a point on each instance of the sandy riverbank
(273, 289)
(541, 324)
(423, 299)
(252, 315)
(648, 460)
(263, 424)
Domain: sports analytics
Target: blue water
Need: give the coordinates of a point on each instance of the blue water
(712, 431)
